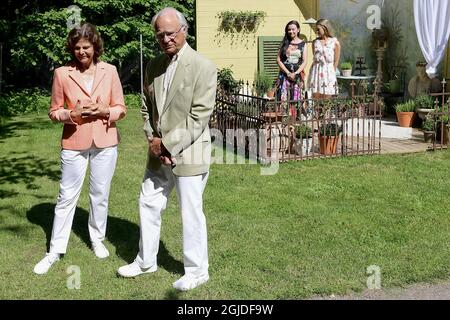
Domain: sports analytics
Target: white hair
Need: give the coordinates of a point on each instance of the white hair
(167, 10)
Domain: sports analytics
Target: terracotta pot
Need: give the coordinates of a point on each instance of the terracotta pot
(270, 94)
(328, 144)
(405, 119)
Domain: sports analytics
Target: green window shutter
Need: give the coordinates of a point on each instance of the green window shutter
(267, 53)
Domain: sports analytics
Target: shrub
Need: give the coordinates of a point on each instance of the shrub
(226, 80)
(25, 101)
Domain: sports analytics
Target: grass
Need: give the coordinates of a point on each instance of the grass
(311, 229)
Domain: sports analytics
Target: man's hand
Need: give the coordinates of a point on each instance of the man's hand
(77, 113)
(157, 149)
(154, 147)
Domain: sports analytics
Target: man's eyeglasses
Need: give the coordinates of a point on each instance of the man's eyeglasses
(171, 35)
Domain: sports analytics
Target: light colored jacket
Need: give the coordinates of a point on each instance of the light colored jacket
(68, 87)
(182, 122)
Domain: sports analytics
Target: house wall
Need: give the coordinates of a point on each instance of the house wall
(241, 53)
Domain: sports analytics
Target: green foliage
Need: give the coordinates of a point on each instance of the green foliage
(34, 36)
(408, 106)
(226, 80)
(428, 124)
(37, 100)
(25, 101)
(241, 21)
(330, 129)
(346, 65)
(263, 82)
(303, 131)
(424, 101)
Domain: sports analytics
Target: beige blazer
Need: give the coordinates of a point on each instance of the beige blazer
(182, 122)
(68, 87)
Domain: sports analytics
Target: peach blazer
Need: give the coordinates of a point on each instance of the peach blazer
(68, 87)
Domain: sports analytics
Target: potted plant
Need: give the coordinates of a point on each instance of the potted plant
(428, 128)
(424, 105)
(405, 113)
(263, 84)
(329, 137)
(443, 127)
(226, 81)
(303, 140)
(346, 68)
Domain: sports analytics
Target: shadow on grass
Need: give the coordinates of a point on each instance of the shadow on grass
(122, 234)
(23, 168)
(10, 128)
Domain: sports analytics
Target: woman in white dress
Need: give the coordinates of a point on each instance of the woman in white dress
(326, 50)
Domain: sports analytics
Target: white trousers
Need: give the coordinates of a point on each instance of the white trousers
(155, 191)
(73, 170)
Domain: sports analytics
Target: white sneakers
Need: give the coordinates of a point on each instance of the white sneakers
(189, 281)
(44, 265)
(133, 270)
(100, 250)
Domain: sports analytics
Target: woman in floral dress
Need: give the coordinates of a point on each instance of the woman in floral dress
(291, 59)
(326, 49)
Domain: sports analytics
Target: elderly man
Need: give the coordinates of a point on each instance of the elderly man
(180, 89)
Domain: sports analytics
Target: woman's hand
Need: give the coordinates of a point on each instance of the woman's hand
(291, 76)
(77, 113)
(98, 109)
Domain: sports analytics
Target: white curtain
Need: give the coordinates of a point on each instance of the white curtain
(432, 19)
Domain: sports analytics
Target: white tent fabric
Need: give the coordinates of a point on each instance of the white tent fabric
(432, 20)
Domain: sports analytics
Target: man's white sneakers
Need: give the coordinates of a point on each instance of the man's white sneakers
(189, 281)
(133, 270)
(44, 265)
(100, 250)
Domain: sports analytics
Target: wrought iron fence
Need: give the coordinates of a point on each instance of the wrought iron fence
(274, 130)
(441, 115)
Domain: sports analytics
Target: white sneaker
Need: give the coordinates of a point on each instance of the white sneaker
(44, 265)
(133, 269)
(190, 281)
(100, 250)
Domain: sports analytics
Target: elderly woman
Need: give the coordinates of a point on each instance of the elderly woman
(87, 97)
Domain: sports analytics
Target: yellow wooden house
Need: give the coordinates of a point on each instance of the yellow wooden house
(246, 54)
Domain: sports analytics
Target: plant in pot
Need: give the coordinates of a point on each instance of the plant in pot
(226, 81)
(428, 128)
(346, 68)
(329, 137)
(424, 105)
(264, 85)
(405, 113)
(443, 127)
(303, 140)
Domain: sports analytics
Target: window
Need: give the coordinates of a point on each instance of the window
(267, 53)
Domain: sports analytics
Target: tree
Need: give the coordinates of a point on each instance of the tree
(34, 34)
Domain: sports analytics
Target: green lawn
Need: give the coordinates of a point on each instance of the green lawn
(313, 228)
